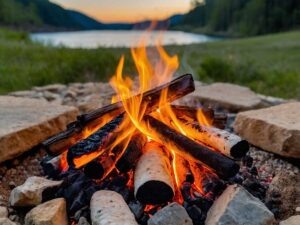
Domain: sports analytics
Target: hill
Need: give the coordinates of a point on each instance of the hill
(44, 15)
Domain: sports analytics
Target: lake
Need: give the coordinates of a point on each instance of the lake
(120, 38)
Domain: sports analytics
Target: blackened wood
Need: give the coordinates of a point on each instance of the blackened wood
(222, 165)
(153, 183)
(94, 142)
(177, 88)
(132, 153)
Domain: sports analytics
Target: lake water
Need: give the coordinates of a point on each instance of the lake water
(103, 38)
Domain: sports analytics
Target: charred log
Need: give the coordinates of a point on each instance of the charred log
(223, 166)
(152, 179)
(102, 165)
(177, 88)
(94, 142)
(132, 153)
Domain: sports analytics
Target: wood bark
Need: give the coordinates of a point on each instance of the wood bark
(153, 183)
(109, 207)
(177, 88)
(222, 165)
(223, 141)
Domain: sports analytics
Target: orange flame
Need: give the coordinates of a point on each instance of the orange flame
(152, 71)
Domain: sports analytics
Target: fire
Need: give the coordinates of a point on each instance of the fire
(152, 72)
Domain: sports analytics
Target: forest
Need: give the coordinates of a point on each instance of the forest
(242, 17)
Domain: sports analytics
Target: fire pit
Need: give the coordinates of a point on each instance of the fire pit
(149, 151)
(144, 159)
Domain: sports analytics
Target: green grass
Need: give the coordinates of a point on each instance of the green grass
(267, 64)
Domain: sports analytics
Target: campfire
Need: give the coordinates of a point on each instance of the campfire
(144, 147)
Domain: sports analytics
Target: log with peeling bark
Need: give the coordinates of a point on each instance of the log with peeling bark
(177, 88)
(153, 183)
(109, 207)
(225, 142)
(222, 165)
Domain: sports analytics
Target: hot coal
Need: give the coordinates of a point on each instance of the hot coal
(196, 215)
(94, 170)
(136, 208)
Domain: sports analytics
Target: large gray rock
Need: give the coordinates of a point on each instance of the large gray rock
(49, 213)
(173, 214)
(231, 97)
(275, 129)
(32, 192)
(293, 220)
(27, 122)
(236, 206)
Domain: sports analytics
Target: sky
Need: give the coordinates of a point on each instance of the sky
(127, 10)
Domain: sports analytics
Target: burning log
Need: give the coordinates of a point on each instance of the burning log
(177, 88)
(191, 112)
(132, 153)
(102, 165)
(94, 142)
(225, 142)
(218, 120)
(208, 182)
(223, 166)
(109, 207)
(152, 179)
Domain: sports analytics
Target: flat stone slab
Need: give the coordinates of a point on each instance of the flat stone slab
(233, 98)
(275, 129)
(27, 122)
(293, 220)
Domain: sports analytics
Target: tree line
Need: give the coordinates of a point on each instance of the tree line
(244, 17)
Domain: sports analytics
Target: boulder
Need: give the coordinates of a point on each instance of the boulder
(33, 191)
(27, 122)
(236, 206)
(49, 213)
(231, 97)
(6, 221)
(293, 220)
(275, 129)
(172, 214)
(109, 208)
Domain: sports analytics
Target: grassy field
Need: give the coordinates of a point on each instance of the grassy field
(267, 64)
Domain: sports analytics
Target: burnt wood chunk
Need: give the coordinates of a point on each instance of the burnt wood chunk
(177, 88)
(222, 165)
(153, 183)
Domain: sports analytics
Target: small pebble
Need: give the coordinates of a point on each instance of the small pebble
(12, 185)
(298, 209)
